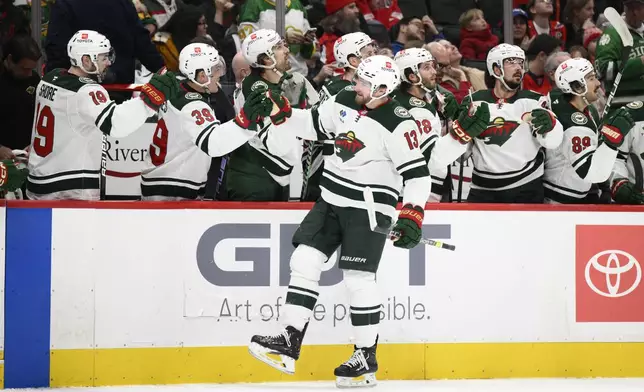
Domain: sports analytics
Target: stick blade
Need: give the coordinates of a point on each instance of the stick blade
(620, 26)
(371, 207)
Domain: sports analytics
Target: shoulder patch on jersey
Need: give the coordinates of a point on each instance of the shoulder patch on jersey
(635, 105)
(258, 84)
(604, 40)
(349, 88)
(401, 112)
(87, 80)
(416, 102)
(193, 96)
(579, 118)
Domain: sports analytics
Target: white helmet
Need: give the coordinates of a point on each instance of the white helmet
(260, 42)
(498, 54)
(198, 57)
(379, 71)
(412, 58)
(350, 45)
(573, 71)
(88, 43)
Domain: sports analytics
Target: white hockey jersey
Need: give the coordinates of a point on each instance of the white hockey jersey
(581, 160)
(439, 152)
(629, 164)
(300, 93)
(378, 148)
(71, 112)
(186, 138)
(508, 155)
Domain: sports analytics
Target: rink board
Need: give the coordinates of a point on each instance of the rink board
(160, 293)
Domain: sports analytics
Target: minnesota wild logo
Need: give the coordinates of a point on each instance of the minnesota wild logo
(499, 131)
(347, 145)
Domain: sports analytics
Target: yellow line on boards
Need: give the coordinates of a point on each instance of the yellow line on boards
(181, 365)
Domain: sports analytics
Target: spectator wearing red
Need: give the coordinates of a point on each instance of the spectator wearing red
(476, 35)
(541, 11)
(535, 78)
(342, 18)
(386, 12)
(591, 37)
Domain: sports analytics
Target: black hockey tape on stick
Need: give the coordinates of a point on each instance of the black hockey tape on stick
(620, 26)
(373, 224)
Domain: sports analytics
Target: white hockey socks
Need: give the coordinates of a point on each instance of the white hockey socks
(303, 288)
(364, 306)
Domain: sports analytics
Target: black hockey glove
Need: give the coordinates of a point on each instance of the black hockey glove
(256, 107)
(160, 89)
(281, 109)
(625, 192)
(12, 175)
(616, 127)
(542, 121)
(409, 226)
(471, 123)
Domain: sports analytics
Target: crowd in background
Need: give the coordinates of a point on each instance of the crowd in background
(149, 34)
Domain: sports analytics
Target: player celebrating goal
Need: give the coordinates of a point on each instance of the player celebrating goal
(508, 132)
(418, 72)
(582, 159)
(628, 174)
(72, 110)
(374, 146)
(188, 134)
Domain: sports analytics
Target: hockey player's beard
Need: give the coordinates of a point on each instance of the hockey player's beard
(361, 100)
(512, 84)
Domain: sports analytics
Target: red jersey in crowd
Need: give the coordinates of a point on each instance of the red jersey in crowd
(539, 84)
(557, 30)
(386, 12)
(476, 44)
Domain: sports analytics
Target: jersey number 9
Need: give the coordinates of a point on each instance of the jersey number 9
(44, 135)
(159, 145)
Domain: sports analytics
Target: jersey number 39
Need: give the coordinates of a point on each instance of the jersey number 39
(44, 135)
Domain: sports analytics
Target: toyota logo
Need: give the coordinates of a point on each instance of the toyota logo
(614, 267)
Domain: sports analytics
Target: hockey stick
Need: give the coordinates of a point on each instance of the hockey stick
(103, 175)
(373, 224)
(620, 26)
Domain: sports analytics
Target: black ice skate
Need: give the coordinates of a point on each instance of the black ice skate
(279, 351)
(360, 370)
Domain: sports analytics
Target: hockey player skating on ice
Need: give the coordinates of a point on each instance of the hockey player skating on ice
(583, 158)
(627, 179)
(349, 51)
(374, 145)
(508, 141)
(418, 73)
(188, 134)
(72, 110)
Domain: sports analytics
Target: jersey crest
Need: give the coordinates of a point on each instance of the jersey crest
(499, 131)
(86, 80)
(259, 84)
(416, 102)
(347, 145)
(401, 112)
(193, 96)
(579, 118)
(635, 105)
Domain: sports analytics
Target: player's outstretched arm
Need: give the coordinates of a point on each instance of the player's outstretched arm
(315, 123)
(403, 150)
(119, 121)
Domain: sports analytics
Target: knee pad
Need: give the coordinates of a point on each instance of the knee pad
(362, 287)
(306, 263)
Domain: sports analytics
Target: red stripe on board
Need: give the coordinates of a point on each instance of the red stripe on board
(246, 205)
(113, 173)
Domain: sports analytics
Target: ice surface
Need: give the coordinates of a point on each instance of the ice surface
(511, 385)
